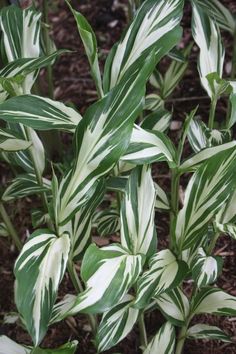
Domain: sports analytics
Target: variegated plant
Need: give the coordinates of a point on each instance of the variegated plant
(116, 143)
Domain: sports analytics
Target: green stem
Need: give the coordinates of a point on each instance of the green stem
(232, 76)
(142, 331)
(11, 229)
(181, 339)
(213, 243)
(212, 113)
(79, 288)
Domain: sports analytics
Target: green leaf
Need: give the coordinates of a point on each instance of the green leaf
(88, 38)
(158, 120)
(162, 201)
(232, 118)
(116, 324)
(214, 301)
(219, 13)
(165, 273)
(101, 138)
(61, 308)
(163, 342)
(207, 191)
(228, 229)
(148, 147)
(207, 36)
(39, 113)
(204, 331)
(227, 215)
(155, 26)
(153, 102)
(205, 269)
(197, 135)
(11, 141)
(137, 213)
(23, 186)
(119, 271)
(8, 346)
(3, 230)
(174, 305)
(68, 348)
(108, 222)
(39, 270)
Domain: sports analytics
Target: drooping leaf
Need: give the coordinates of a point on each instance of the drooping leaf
(137, 213)
(163, 342)
(116, 324)
(155, 26)
(165, 272)
(204, 331)
(8, 346)
(162, 201)
(39, 270)
(208, 189)
(174, 305)
(11, 142)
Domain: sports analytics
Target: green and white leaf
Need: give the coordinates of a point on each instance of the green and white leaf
(207, 191)
(155, 26)
(204, 331)
(165, 273)
(228, 229)
(8, 346)
(39, 113)
(153, 102)
(214, 301)
(107, 222)
(148, 147)
(89, 40)
(25, 185)
(232, 118)
(162, 201)
(138, 233)
(197, 135)
(118, 270)
(163, 342)
(116, 324)
(207, 36)
(227, 215)
(205, 269)
(174, 305)
(158, 120)
(39, 270)
(3, 230)
(61, 308)
(11, 142)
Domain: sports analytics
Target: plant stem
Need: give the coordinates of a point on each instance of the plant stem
(79, 288)
(233, 70)
(142, 331)
(11, 229)
(213, 243)
(212, 113)
(181, 339)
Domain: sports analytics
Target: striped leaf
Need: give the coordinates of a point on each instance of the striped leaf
(174, 305)
(232, 117)
(227, 215)
(155, 26)
(162, 201)
(205, 269)
(39, 270)
(8, 346)
(163, 342)
(62, 307)
(80, 227)
(158, 120)
(11, 142)
(204, 331)
(214, 301)
(119, 271)
(89, 40)
(101, 138)
(148, 147)
(207, 36)
(116, 324)
(153, 102)
(138, 232)
(23, 186)
(165, 273)
(68, 348)
(193, 162)
(197, 135)
(39, 113)
(108, 222)
(228, 229)
(208, 189)
(219, 13)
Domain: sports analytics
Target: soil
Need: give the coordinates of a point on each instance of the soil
(73, 84)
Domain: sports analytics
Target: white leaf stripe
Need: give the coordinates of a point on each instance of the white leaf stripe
(61, 308)
(108, 222)
(208, 189)
(39, 113)
(158, 120)
(228, 214)
(207, 36)
(197, 135)
(119, 271)
(174, 305)
(101, 138)
(204, 331)
(137, 213)
(149, 146)
(39, 270)
(162, 201)
(214, 301)
(164, 272)
(116, 324)
(163, 342)
(153, 27)
(11, 141)
(229, 229)
(8, 346)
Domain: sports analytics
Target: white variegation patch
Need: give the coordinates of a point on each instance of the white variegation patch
(163, 342)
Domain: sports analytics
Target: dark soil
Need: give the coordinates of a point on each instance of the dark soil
(73, 84)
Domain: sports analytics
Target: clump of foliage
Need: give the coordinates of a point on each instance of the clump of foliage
(115, 144)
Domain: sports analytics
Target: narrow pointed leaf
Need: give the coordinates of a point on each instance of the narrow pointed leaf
(197, 135)
(204, 331)
(162, 201)
(39, 270)
(163, 342)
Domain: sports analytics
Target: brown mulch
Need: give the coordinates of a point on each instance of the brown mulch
(73, 84)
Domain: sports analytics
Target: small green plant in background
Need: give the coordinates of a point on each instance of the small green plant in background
(115, 144)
